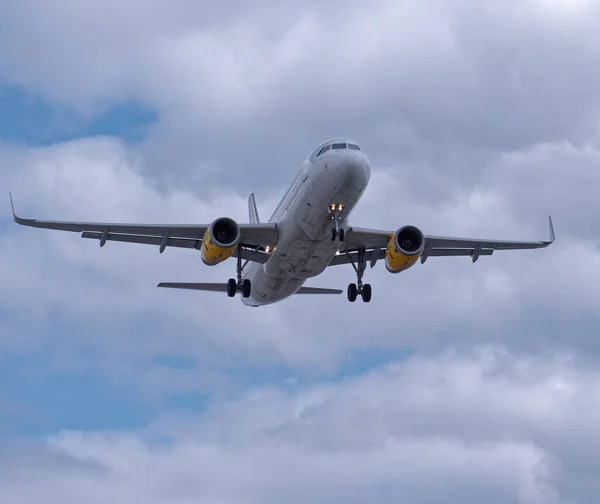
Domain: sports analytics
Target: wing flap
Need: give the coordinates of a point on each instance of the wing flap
(248, 254)
(146, 240)
(349, 257)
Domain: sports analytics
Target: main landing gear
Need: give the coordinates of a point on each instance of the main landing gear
(336, 214)
(359, 289)
(233, 285)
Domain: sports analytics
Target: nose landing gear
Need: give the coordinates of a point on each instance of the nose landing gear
(336, 214)
(359, 289)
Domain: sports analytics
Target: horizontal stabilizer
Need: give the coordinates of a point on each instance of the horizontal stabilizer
(222, 287)
(317, 290)
(213, 287)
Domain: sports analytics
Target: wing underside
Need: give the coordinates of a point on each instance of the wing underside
(255, 237)
(374, 243)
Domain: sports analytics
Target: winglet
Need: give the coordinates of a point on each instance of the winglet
(12, 205)
(551, 226)
(16, 218)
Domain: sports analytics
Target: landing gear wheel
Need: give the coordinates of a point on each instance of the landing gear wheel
(335, 233)
(366, 293)
(246, 288)
(231, 287)
(234, 285)
(359, 289)
(352, 292)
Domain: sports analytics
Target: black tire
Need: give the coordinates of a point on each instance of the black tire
(342, 235)
(333, 234)
(352, 292)
(366, 293)
(231, 287)
(246, 288)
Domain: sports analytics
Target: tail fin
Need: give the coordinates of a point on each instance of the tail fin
(252, 211)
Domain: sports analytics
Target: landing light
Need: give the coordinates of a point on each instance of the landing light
(340, 207)
(267, 249)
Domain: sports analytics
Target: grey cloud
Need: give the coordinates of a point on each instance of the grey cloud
(401, 430)
(479, 120)
(500, 298)
(271, 84)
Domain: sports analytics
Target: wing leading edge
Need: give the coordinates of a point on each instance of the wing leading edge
(374, 242)
(254, 236)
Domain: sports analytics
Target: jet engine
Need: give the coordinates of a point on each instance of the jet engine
(220, 241)
(404, 248)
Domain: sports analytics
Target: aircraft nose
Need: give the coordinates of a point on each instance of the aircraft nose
(357, 170)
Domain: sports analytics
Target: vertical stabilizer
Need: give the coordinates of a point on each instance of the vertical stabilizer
(252, 211)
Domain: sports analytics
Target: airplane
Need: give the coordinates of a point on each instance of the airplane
(307, 233)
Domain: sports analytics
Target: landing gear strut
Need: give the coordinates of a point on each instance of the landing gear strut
(359, 289)
(233, 285)
(336, 214)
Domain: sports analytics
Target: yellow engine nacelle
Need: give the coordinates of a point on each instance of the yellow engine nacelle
(220, 241)
(404, 248)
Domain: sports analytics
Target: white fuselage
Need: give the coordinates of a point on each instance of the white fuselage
(304, 248)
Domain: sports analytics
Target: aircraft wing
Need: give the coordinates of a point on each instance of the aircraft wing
(374, 242)
(254, 237)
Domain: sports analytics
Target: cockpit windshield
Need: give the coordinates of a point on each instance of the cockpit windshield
(324, 149)
(337, 146)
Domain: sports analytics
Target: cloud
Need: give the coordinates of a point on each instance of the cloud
(485, 424)
(479, 120)
(494, 300)
(444, 73)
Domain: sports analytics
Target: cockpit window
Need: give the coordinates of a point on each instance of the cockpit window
(337, 145)
(324, 149)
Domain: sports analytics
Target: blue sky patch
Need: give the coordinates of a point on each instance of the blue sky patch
(42, 401)
(31, 120)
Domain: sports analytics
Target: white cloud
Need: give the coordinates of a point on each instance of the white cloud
(488, 425)
(480, 120)
(445, 68)
(102, 180)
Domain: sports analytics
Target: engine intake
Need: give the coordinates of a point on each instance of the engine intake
(404, 248)
(220, 241)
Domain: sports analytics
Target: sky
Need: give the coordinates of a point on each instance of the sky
(458, 382)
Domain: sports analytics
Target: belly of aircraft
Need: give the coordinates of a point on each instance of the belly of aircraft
(305, 247)
(300, 257)
(286, 270)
